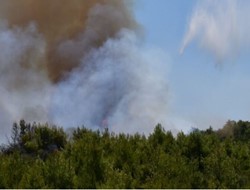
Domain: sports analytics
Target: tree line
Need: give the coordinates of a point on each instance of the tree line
(43, 156)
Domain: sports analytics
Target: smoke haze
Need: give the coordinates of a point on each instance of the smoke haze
(78, 62)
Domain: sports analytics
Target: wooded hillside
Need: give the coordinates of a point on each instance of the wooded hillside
(40, 156)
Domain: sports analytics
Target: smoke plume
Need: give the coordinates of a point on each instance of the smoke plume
(64, 24)
(220, 27)
(78, 62)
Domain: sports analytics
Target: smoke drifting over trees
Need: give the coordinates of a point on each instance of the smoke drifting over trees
(78, 62)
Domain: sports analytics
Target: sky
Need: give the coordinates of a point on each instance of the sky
(188, 69)
(208, 83)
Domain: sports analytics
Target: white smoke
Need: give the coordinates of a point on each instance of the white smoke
(220, 27)
(120, 82)
(23, 92)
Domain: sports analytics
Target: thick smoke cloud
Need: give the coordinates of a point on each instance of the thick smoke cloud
(64, 23)
(78, 62)
(220, 27)
(24, 86)
(120, 82)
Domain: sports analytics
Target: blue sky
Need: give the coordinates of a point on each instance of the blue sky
(204, 92)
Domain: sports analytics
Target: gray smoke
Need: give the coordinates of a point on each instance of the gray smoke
(118, 82)
(122, 83)
(24, 88)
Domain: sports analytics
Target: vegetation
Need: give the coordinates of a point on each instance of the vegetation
(40, 156)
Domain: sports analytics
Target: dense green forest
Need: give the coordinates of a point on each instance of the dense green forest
(42, 156)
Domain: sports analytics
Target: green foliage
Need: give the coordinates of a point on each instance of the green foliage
(40, 156)
(36, 140)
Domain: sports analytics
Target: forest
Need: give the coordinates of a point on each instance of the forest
(44, 156)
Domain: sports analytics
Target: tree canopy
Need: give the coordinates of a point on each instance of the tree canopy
(43, 156)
